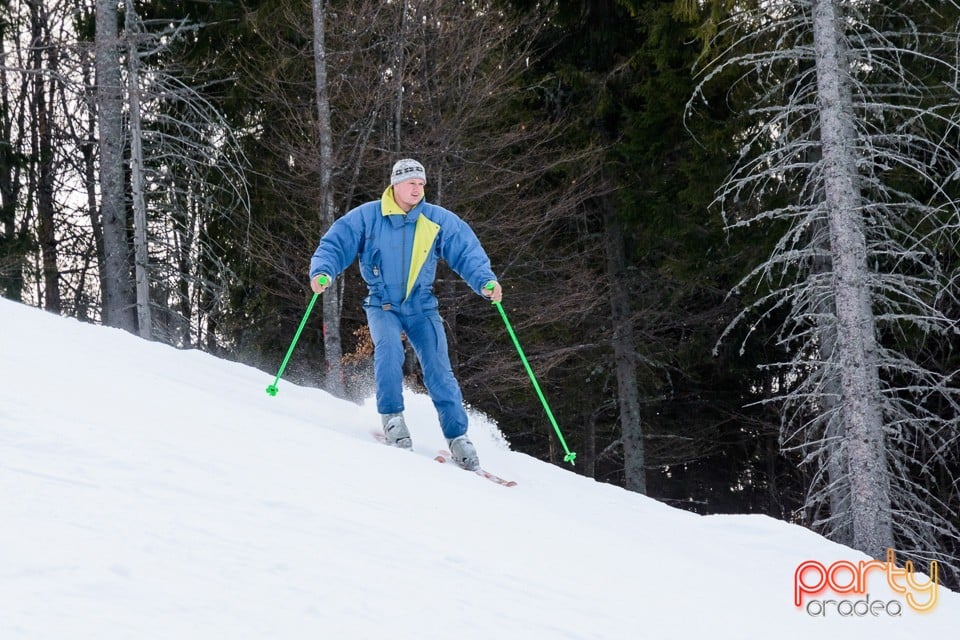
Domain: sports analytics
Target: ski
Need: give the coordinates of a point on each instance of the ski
(444, 456)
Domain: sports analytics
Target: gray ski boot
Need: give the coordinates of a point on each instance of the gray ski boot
(464, 453)
(395, 430)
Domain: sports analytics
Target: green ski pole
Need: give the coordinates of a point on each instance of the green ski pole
(272, 389)
(570, 456)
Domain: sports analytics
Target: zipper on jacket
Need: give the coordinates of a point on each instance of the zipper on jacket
(403, 262)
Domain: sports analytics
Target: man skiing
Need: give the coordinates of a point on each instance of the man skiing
(399, 239)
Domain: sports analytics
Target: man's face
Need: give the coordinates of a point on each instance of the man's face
(408, 193)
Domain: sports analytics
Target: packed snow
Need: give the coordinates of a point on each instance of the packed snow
(149, 492)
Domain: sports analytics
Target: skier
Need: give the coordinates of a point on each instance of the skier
(399, 239)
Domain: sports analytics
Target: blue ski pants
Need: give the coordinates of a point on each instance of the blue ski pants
(424, 330)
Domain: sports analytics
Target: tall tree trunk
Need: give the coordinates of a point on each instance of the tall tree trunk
(88, 152)
(332, 347)
(118, 300)
(398, 77)
(856, 344)
(833, 452)
(11, 246)
(836, 463)
(634, 463)
(43, 151)
(183, 241)
(140, 252)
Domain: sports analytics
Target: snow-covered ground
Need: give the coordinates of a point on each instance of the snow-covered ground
(147, 492)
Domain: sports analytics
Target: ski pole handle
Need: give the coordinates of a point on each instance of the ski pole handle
(489, 287)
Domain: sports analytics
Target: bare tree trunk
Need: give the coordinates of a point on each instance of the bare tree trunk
(117, 292)
(856, 344)
(183, 243)
(446, 286)
(398, 76)
(11, 119)
(43, 150)
(88, 151)
(634, 462)
(833, 452)
(333, 350)
(587, 457)
(141, 254)
(834, 447)
(836, 464)
(11, 255)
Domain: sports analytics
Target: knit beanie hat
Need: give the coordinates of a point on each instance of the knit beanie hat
(406, 169)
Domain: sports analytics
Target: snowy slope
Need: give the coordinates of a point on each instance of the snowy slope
(147, 492)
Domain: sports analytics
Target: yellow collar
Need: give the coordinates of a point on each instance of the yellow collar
(389, 206)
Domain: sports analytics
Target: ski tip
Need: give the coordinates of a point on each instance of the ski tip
(444, 456)
(497, 479)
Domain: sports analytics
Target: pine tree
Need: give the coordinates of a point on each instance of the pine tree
(851, 161)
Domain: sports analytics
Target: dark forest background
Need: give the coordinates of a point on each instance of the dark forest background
(563, 132)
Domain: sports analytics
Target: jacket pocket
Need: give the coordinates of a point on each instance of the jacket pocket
(370, 267)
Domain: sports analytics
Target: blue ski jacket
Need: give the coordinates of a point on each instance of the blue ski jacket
(399, 251)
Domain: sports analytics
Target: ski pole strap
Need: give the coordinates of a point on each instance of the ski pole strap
(570, 456)
(272, 389)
